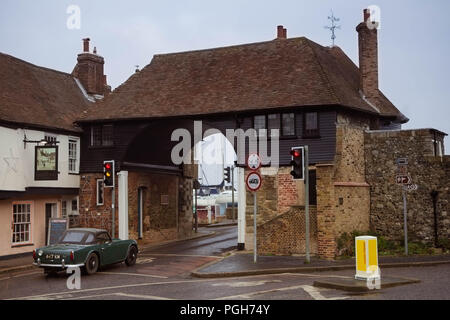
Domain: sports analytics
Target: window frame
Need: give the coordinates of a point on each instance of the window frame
(101, 133)
(64, 209)
(280, 124)
(294, 122)
(29, 223)
(76, 142)
(314, 133)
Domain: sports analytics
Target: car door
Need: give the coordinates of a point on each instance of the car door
(107, 251)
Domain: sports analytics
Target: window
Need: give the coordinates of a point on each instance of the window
(21, 226)
(273, 122)
(64, 209)
(73, 160)
(259, 122)
(107, 135)
(100, 191)
(311, 124)
(103, 238)
(288, 124)
(102, 135)
(74, 206)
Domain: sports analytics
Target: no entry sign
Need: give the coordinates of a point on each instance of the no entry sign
(253, 181)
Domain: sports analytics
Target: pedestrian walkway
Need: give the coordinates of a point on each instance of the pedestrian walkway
(16, 263)
(242, 264)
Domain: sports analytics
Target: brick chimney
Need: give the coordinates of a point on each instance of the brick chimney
(281, 32)
(368, 56)
(89, 70)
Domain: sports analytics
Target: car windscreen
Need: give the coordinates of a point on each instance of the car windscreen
(73, 237)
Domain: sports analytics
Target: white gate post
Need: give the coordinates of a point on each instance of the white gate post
(241, 208)
(123, 205)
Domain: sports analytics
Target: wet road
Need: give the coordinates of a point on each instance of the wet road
(163, 273)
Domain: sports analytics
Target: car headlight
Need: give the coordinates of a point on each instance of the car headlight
(40, 253)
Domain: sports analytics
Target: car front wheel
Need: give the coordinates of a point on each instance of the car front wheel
(91, 265)
(132, 256)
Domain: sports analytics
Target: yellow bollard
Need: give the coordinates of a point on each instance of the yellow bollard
(366, 258)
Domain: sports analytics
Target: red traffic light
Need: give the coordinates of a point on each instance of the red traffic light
(295, 153)
(108, 165)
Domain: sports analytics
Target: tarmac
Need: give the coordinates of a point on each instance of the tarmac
(241, 263)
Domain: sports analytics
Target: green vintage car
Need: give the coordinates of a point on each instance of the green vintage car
(85, 248)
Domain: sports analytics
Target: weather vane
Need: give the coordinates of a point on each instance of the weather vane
(333, 26)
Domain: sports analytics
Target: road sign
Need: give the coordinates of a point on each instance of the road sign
(253, 181)
(403, 179)
(402, 170)
(254, 161)
(411, 187)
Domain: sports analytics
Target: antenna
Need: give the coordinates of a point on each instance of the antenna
(333, 26)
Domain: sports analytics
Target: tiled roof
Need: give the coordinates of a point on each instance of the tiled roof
(279, 73)
(38, 96)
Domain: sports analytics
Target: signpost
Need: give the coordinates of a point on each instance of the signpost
(254, 182)
(404, 179)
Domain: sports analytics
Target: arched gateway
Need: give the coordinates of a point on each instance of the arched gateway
(301, 92)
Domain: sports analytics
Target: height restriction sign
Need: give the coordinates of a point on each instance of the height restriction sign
(253, 181)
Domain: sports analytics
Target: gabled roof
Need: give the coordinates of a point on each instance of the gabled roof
(293, 72)
(38, 96)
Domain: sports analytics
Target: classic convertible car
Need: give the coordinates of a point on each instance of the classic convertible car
(85, 248)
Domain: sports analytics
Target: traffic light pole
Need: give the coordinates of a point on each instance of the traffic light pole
(232, 191)
(113, 202)
(308, 259)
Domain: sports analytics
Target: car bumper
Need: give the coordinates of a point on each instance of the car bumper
(61, 265)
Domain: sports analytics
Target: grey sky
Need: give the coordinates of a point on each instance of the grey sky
(413, 41)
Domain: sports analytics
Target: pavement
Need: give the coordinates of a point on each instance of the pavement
(242, 264)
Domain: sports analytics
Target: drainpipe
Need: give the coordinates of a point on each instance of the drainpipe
(434, 194)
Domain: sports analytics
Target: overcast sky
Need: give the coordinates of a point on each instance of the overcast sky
(414, 43)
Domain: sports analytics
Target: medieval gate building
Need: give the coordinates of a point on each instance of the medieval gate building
(314, 95)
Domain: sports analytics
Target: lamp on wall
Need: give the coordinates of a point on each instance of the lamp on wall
(42, 142)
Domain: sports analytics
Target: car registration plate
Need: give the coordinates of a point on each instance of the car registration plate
(53, 256)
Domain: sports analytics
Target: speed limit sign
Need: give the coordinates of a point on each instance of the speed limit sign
(253, 181)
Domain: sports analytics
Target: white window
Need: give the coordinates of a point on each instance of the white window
(100, 192)
(21, 226)
(64, 209)
(73, 156)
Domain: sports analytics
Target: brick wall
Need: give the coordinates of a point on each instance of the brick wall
(167, 212)
(343, 201)
(285, 234)
(426, 170)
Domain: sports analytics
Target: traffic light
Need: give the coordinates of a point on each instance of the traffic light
(226, 174)
(108, 173)
(297, 163)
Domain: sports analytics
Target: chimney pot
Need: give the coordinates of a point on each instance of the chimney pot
(95, 50)
(281, 32)
(86, 44)
(366, 15)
